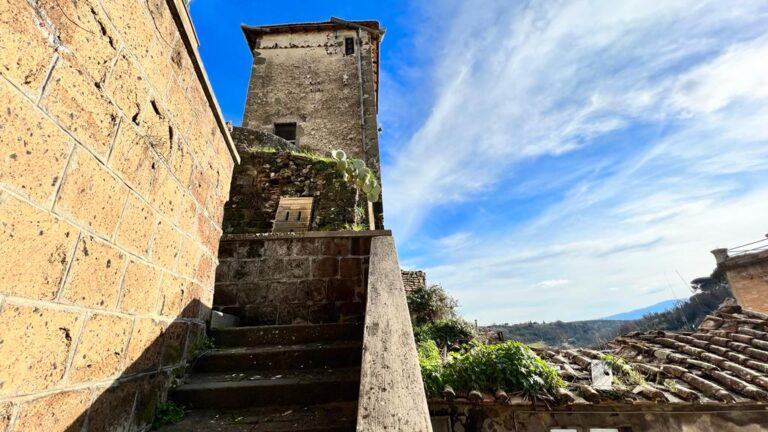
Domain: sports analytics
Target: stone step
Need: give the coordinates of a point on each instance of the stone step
(286, 334)
(258, 388)
(332, 417)
(281, 357)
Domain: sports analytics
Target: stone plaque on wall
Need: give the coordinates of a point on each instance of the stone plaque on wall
(294, 214)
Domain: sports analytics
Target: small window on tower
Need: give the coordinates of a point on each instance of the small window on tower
(286, 131)
(349, 46)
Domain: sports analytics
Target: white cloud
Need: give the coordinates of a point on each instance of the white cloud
(551, 283)
(643, 124)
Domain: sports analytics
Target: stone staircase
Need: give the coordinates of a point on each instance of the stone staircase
(302, 378)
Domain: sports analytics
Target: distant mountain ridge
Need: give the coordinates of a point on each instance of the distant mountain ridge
(639, 313)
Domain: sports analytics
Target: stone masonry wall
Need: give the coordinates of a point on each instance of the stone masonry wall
(306, 78)
(264, 176)
(287, 279)
(413, 279)
(748, 277)
(114, 170)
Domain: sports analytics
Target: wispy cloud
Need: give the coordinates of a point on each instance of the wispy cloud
(609, 144)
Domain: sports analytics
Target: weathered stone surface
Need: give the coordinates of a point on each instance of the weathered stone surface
(157, 65)
(166, 194)
(133, 159)
(128, 88)
(189, 258)
(26, 51)
(325, 267)
(389, 401)
(101, 351)
(74, 99)
(165, 248)
(137, 226)
(175, 340)
(45, 336)
(29, 143)
(85, 32)
(145, 346)
(112, 408)
(205, 269)
(6, 411)
(56, 412)
(94, 279)
(141, 289)
(131, 20)
(38, 247)
(173, 289)
(164, 22)
(90, 194)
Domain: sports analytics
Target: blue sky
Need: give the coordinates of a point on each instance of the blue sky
(552, 160)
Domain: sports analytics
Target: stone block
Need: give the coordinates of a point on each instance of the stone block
(141, 289)
(311, 290)
(222, 272)
(325, 267)
(188, 214)
(182, 66)
(225, 294)
(227, 249)
(198, 185)
(244, 271)
(174, 342)
(265, 314)
(29, 143)
(278, 248)
(133, 24)
(45, 336)
(192, 301)
(361, 246)
(145, 347)
(183, 115)
(137, 226)
(41, 246)
(173, 289)
(351, 311)
(100, 353)
(307, 247)
(323, 313)
(292, 313)
(167, 194)
(251, 249)
(164, 22)
(128, 88)
(133, 159)
(195, 339)
(74, 99)
(205, 270)
(181, 162)
(341, 290)
(85, 32)
(296, 268)
(221, 320)
(158, 66)
(25, 53)
(56, 412)
(350, 267)
(90, 194)
(263, 293)
(111, 410)
(151, 390)
(189, 257)
(337, 247)
(6, 412)
(165, 248)
(94, 278)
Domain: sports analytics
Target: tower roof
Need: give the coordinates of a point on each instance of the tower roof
(253, 32)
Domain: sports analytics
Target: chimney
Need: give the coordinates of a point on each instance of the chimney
(720, 255)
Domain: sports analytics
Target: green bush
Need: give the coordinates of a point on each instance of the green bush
(510, 366)
(431, 367)
(167, 413)
(623, 372)
(451, 332)
(430, 304)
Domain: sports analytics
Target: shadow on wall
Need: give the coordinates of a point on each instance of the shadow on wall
(131, 402)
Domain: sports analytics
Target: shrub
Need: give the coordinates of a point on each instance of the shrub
(430, 304)
(167, 413)
(451, 332)
(510, 366)
(431, 367)
(623, 372)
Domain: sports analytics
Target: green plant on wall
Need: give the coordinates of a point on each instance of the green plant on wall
(357, 174)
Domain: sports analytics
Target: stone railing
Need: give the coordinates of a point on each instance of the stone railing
(391, 390)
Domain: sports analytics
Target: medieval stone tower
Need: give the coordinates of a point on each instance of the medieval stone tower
(316, 85)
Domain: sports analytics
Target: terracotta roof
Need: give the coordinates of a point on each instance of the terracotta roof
(725, 361)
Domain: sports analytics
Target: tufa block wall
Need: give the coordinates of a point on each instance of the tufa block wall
(287, 279)
(114, 170)
(748, 277)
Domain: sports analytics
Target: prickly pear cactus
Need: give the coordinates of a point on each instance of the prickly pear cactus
(357, 174)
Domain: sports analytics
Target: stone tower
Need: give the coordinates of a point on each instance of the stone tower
(316, 85)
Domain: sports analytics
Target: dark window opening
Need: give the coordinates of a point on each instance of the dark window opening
(286, 131)
(298, 217)
(349, 46)
(287, 215)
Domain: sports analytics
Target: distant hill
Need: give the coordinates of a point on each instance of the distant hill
(560, 334)
(639, 313)
(669, 315)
